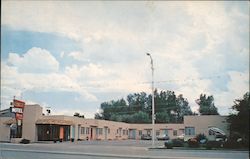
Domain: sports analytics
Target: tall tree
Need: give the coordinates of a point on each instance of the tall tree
(239, 121)
(162, 117)
(138, 108)
(207, 106)
(183, 108)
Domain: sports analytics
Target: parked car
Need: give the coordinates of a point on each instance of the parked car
(146, 137)
(181, 136)
(219, 134)
(163, 137)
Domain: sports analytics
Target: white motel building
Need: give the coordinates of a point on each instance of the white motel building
(38, 127)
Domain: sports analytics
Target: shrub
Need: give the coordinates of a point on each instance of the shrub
(234, 144)
(25, 141)
(178, 143)
(193, 143)
(168, 144)
(213, 144)
(201, 138)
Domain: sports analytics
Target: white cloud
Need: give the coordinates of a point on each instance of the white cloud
(36, 60)
(71, 112)
(79, 56)
(62, 54)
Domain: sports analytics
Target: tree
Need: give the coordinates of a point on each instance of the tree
(162, 117)
(141, 117)
(239, 121)
(183, 108)
(138, 108)
(207, 106)
(98, 116)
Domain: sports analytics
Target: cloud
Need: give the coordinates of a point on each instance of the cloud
(36, 71)
(35, 60)
(79, 56)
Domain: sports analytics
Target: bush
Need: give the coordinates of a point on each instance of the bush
(193, 143)
(178, 143)
(25, 141)
(168, 144)
(234, 144)
(213, 144)
(201, 138)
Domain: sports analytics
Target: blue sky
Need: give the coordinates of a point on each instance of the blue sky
(71, 56)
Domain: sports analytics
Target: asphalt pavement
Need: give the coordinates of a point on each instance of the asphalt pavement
(109, 149)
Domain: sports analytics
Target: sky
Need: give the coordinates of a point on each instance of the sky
(73, 55)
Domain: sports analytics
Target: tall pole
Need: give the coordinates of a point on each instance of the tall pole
(153, 103)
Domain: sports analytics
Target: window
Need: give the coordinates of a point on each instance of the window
(140, 132)
(148, 132)
(87, 130)
(124, 132)
(120, 131)
(165, 131)
(175, 132)
(210, 132)
(189, 131)
(100, 131)
(108, 130)
(157, 132)
(82, 130)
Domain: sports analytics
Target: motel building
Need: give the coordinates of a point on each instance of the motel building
(31, 124)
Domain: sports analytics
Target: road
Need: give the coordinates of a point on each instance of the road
(109, 149)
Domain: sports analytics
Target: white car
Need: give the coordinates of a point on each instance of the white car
(163, 137)
(181, 136)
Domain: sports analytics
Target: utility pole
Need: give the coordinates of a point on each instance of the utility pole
(153, 103)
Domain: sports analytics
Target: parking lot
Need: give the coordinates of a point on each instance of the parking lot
(109, 149)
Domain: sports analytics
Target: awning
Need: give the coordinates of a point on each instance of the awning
(54, 122)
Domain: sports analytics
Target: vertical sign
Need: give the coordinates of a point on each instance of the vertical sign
(19, 105)
(18, 110)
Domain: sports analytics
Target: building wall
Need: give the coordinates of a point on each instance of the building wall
(4, 129)
(93, 129)
(203, 122)
(160, 129)
(30, 115)
(98, 129)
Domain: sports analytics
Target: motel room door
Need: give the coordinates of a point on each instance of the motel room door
(106, 133)
(72, 132)
(132, 133)
(92, 132)
(61, 133)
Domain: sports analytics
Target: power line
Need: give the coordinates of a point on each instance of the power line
(112, 84)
